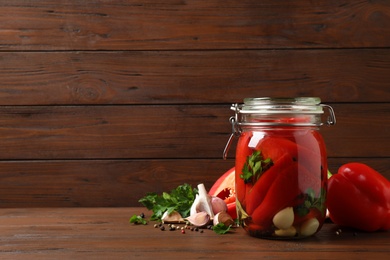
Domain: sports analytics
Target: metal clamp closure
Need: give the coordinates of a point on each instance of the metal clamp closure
(235, 132)
(331, 120)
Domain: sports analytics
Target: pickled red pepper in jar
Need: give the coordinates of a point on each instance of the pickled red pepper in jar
(281, 166)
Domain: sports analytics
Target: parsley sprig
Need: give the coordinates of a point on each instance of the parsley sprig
(179, 199)
(254, 167)
(136, 219)
(311, 201)
(221, 228)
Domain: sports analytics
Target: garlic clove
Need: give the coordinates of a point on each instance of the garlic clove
(218, 204)
(202, 202)
(199, 219)
(173, 217)
(290, 232)
(309, 227)
(223, 217)
(284, 218)
(194, 204)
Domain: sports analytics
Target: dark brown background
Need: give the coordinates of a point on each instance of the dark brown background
(103, 101)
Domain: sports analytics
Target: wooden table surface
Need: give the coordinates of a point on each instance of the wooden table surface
(105, 233)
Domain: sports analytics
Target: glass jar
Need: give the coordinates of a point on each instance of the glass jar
(281, 166)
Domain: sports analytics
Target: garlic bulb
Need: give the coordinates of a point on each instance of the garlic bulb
(202, 202)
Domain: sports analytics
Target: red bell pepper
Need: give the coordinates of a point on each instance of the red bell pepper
(224, 188)
(256, 195)
(282, 153)
(279, 170)
(280, 195)
(242, 152)
(359, 197)
(308, 156)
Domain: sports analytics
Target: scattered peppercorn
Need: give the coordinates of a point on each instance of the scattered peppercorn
(172, 227)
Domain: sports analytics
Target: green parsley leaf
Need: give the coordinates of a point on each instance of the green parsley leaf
(179, 199)
(311, 201)
(221, 228)
(137, 220)
(254, 167)
(329, 174)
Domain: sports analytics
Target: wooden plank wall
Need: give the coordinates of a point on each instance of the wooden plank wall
(103, 101)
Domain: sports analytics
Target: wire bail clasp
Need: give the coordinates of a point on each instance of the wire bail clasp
(235, 131)
(331, 120)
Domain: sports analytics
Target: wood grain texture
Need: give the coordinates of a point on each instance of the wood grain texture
(97, 183)
(120, 134)
(185, 131)
(175, 24)
(104, 233)
(115, 183)
(102, 101)
(40, 78)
